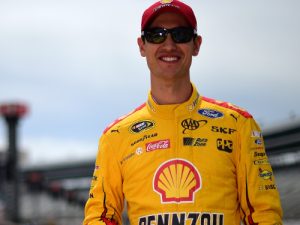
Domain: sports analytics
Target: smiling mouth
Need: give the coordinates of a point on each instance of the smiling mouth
(169, 59)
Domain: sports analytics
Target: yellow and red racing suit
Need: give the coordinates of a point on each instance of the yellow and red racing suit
(202, 162)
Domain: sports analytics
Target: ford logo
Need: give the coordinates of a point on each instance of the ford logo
(258, 141)
(210, 113)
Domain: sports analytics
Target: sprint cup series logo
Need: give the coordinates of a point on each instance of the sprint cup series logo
(141, 126)
(177, 181)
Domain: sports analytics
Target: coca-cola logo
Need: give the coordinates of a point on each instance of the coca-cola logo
(155, 145)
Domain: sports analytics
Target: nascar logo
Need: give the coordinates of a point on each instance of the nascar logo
(141, 126)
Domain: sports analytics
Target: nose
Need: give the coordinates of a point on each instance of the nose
(169, 44)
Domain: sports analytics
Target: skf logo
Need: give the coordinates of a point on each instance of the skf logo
(265, 174)
(177, 181)
(222, 130)
(224, 145)
(190, 124)
(141, 126)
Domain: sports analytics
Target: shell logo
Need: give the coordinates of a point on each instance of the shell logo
(166, 1)
(176, 181)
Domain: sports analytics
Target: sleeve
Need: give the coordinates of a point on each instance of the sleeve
(258, 194)
(106, 199)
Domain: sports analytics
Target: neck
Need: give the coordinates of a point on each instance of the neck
(165, 93)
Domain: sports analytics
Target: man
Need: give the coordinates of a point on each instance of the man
(181, 158)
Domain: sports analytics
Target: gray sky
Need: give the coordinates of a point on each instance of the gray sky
(77, 66)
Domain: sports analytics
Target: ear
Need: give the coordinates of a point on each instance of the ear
(141, 45)
(197, 44)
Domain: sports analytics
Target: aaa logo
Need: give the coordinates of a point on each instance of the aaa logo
(190, 124)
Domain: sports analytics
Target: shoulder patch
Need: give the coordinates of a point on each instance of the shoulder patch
(227, 105)
(123, 117)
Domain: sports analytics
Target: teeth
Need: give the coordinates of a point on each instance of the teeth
(169, 59)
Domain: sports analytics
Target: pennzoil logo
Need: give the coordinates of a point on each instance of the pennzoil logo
(177, 181)
(141, 126)
(183, 218)
(190, 124)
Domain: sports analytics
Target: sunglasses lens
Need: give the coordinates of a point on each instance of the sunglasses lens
(178, 34)
(156, 36)
(182, 34)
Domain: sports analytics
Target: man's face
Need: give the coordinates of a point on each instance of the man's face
(169, 60)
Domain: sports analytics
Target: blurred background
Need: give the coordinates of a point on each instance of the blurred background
(72, 67)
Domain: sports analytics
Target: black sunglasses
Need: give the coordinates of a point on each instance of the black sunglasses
(178, 34)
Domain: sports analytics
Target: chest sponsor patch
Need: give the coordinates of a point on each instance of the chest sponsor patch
(157, 145)
(261, 162)
(190, 124)
(259, 154)
(127, 157)
(189, 141)
(224, 145)
(265, 174)
(177, 181)
(139, 151)
(256, 134)
(210, 113)
(145, 137)
(140, 126)
(267, 187)
(183, 218)
(222, 130)
(258, 142)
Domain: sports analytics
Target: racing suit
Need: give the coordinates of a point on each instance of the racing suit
(202, 162)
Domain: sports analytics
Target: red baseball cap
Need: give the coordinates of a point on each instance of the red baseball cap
(169, 6)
